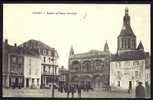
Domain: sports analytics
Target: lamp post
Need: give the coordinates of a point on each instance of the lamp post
(53, 59)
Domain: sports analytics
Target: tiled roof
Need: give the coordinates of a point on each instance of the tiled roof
(36, 43)
(130, 55)
(22, 51)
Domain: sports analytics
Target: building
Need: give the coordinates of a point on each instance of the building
(32, 71)
(13, 62)
(63, 76)
(48, 57)
(90, 68)
(128, 65)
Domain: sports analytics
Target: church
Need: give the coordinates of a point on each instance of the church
(90, 68)
(129, 64)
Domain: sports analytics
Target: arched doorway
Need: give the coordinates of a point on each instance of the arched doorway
(97, 82)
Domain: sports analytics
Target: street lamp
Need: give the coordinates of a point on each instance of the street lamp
(53, 59)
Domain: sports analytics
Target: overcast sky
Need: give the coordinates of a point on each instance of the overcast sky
(84, 26)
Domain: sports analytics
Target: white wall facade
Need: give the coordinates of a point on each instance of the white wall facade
(121, 72)
(32, 71)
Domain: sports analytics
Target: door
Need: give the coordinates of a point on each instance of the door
(118, 84)
(27, 82)
(130, 84)
(16, 82)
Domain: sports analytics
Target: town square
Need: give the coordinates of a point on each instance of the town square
(61, 56)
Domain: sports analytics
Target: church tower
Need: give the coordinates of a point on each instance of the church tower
(126, 39)
(106, 48)
(71, 51)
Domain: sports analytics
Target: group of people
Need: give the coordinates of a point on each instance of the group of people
(71, 89)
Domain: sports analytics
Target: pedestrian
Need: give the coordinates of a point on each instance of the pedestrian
(130, 88)
(72, 90)
(79, 91)
(140, 91)
(68, 90)
(147, 89)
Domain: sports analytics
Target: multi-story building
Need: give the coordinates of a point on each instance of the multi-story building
(90, 68)
(128, 65)
(13, 62)
(63, 76)
(48, 57)
(32, 71)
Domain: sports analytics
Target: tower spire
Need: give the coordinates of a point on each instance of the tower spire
(126, 19)
(106, 48)
(140, 46)
(71, 51)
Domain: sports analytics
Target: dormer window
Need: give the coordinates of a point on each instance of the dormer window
(44, 52)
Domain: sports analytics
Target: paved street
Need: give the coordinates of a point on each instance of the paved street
(47, 93)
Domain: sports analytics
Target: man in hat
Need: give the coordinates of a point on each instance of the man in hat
(140, 91)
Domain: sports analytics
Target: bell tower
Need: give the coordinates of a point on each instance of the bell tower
(126, 39)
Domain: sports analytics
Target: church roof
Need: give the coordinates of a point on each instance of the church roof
(91, 53)
(129, 55)
(126, 31)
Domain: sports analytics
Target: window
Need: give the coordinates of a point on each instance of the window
(136, 74)
(118, 83)
(44, 59)
(44, 68)
(122, 43)
(38, 81)
(32, 80)
(128, 43)
(14, 59)
(49, 59)
(20, 65)
(44, 52)
(20, 60)
(127, 63)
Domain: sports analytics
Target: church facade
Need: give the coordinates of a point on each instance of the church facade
(91, 68)
(129, 64)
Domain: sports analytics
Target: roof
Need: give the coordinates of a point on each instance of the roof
(91, 53)
(129, 55)
(21, 51)
(37, 43)
(126, 31)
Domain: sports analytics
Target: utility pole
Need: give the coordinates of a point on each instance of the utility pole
(53, 58)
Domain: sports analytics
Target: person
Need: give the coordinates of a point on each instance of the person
(79, 91)
(140, 91)
(68, 90)
(130, 88)
(72, 90)
(147, 89)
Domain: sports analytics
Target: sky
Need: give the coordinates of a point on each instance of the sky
(83, 26)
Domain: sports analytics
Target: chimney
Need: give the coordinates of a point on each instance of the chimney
(15, 44)
(6, 41)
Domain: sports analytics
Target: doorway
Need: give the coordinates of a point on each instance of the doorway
(27, 83)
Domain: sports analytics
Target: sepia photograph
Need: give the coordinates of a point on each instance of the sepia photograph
(76, 50)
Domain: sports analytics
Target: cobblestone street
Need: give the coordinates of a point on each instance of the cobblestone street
(47, 93)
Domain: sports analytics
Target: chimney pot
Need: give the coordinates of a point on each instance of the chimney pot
(15, 44)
